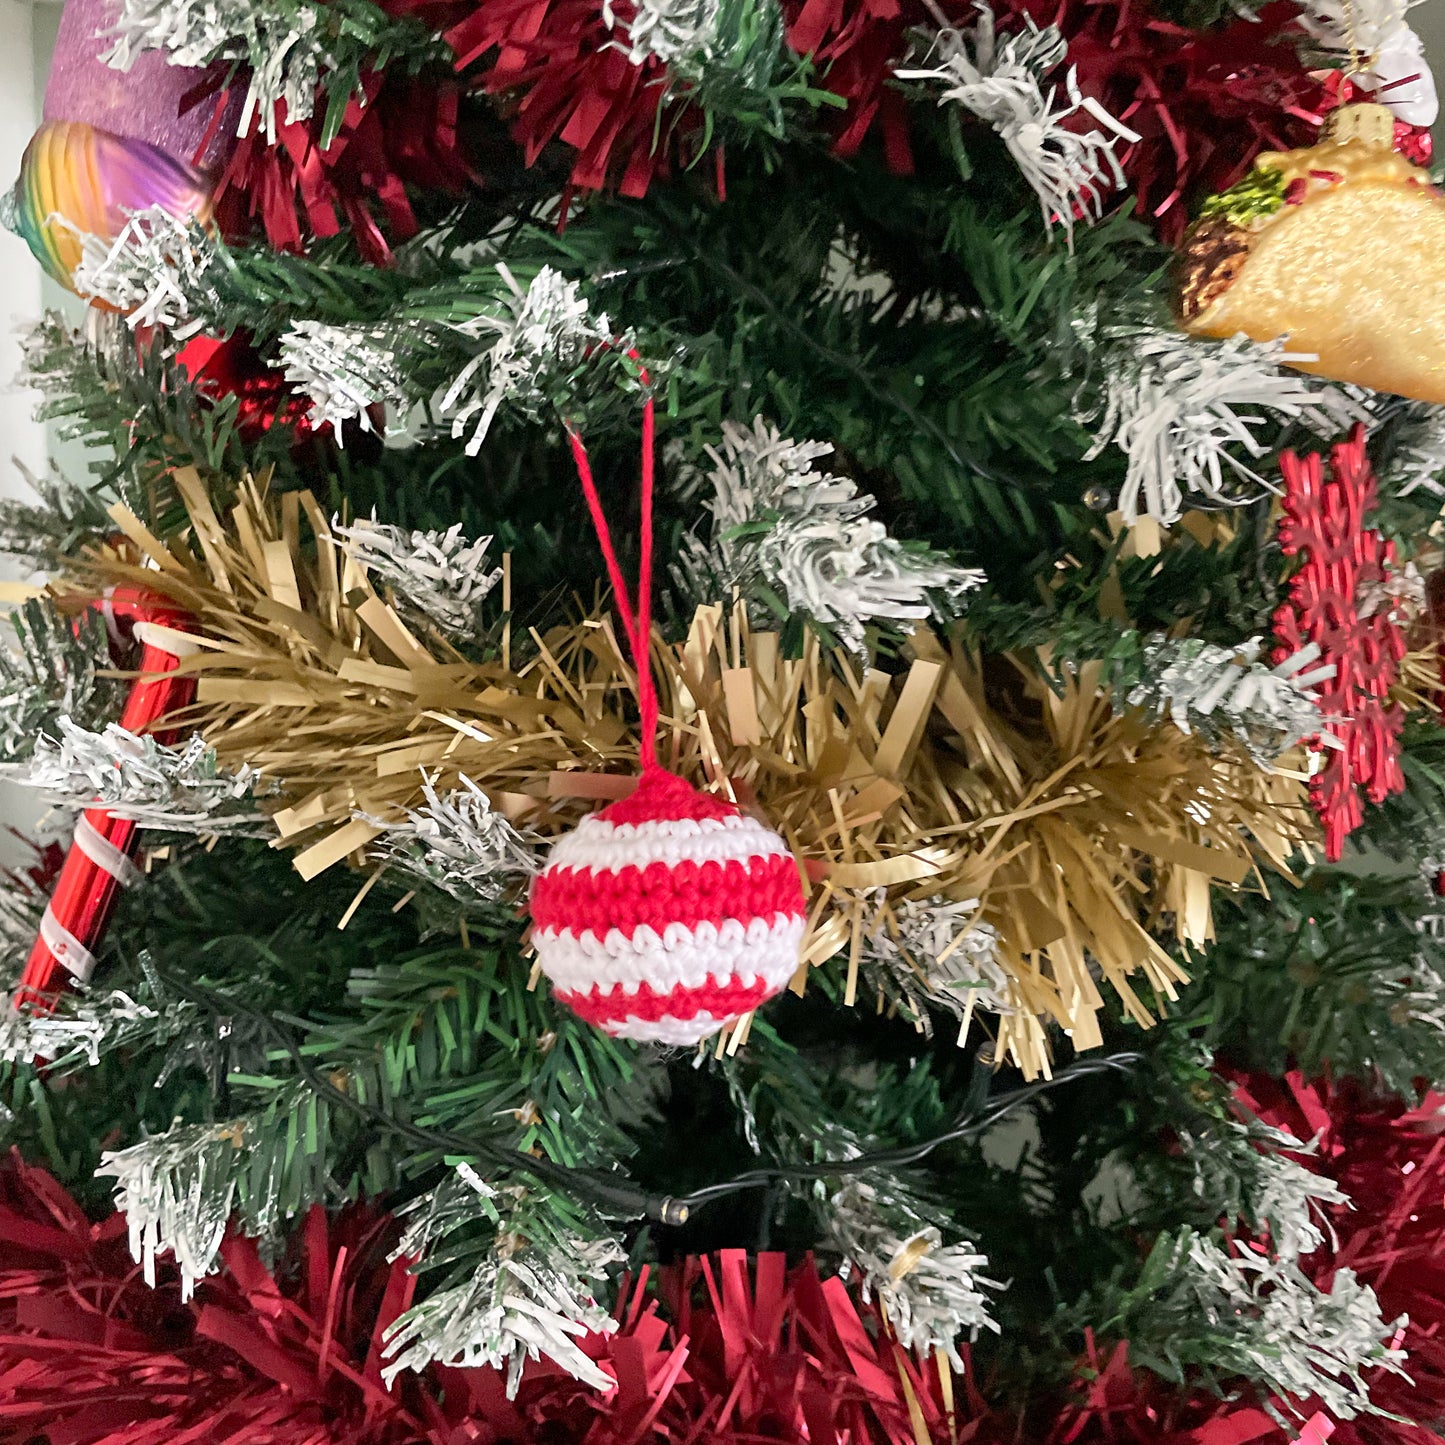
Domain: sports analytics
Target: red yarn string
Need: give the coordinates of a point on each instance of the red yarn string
(636, 623)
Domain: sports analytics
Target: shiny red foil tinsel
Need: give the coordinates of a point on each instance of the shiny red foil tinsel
(398, 137)
(401, 140)
(751, 1350)
(726, 1349)
(1204, 104)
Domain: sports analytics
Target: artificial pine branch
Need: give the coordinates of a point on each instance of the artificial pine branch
(55, 671)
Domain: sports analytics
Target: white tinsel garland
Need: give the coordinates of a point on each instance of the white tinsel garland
(20, 910)
(1281, 1328)
(52, 672)
(537, 337)
(176, 1191)
(523, 351)
(681, 33)
(179, 788)
(153, 273)
(1188, 414)
(1287, 1199)
(344, 370)
(782, 526)
(1418, 463)
(26, 1035)
(1400, 592)
(459, 843)
(1216, 691)
(1000, 79)
(285, 46)
(528, 1299)
(442, 574)
(933, 1293)
(936, 951)
(82, 1028)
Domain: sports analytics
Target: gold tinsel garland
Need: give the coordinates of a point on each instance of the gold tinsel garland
(1082, 832)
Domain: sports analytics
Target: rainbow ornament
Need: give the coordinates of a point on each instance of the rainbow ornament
(78, 179)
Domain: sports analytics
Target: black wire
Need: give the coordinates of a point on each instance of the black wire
(631, 1202)
(601, 1188)
(966, 1127)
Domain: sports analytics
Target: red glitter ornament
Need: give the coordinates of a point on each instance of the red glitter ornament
(1330, 606)
(231, 366)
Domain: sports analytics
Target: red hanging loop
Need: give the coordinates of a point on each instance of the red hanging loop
(636, 618)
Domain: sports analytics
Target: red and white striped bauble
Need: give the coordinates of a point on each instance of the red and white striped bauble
(668, 914)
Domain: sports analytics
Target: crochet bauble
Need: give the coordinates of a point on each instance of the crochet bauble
(668, 914)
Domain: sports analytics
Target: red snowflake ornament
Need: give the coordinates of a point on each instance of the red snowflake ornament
(1330, 605)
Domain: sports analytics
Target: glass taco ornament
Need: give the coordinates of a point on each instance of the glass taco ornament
(1339, 249)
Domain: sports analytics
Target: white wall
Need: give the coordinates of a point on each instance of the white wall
(21, 438)
(1429, 21)
(20, 87)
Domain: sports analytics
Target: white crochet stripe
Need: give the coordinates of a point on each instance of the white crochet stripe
(693, 957)
(605, 847)
(666, 1031)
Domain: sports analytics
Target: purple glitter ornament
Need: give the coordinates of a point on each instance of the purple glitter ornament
(143, 103)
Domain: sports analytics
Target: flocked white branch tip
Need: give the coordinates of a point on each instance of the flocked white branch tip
(1001, 79)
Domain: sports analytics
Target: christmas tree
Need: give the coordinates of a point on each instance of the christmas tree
(738, 748)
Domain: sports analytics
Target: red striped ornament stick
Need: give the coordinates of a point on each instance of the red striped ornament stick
(101, 860)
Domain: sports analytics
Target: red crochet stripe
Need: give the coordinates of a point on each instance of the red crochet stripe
(661, 796)
(721, 1000)
(662, 893)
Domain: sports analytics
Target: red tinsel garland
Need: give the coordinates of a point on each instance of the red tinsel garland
(1203, 102)
(398, 136)
(89, 1355)
(401, 137)
(747, 1351)
(560, 78)
(728, 1350)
